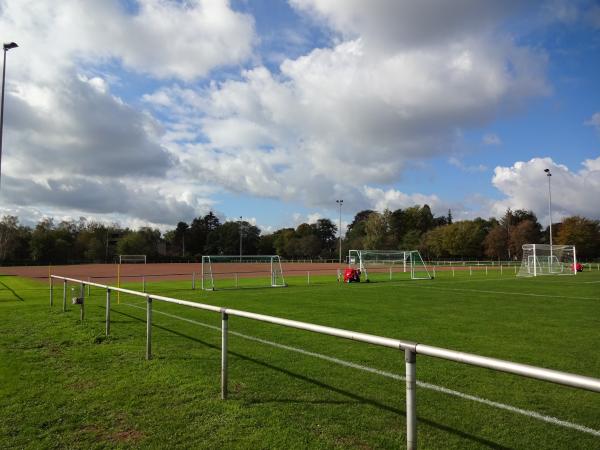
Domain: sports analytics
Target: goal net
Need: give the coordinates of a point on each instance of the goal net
(221, 271)
(132, 259)
(387, 264)
(543, 259)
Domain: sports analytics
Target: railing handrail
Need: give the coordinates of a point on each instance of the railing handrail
(539, 373)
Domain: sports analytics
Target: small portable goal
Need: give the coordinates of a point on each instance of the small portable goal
(218, 268)
(389, 262)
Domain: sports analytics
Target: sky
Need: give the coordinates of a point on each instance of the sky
(151, 112)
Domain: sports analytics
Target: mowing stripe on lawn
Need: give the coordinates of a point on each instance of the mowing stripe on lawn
(433, 387)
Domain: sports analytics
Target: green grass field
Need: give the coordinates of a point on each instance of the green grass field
(64, 384)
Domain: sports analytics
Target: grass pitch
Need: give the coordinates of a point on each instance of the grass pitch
(64, 384)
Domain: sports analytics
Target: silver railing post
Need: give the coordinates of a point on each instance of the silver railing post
(89, 288)
(64, 295)
(148, 327)
(51, 292)
(410, 358)
(144, 284)
(107, 312)
(224, 328)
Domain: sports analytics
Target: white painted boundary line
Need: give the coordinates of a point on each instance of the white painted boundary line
(433, 387)
(504, 293)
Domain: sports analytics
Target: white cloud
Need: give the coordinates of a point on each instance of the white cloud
(393, 199)
(465, 168)
(594, 121)
(525, 186)
(345, 116)
(70, 144)
(164, 38)
(491, 139)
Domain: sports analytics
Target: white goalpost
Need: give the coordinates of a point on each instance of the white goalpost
(218, 268)
(389, 262)
(544, 259)
(132, 259)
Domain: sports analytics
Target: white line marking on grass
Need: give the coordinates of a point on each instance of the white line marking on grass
(528, 294)
(433, 387)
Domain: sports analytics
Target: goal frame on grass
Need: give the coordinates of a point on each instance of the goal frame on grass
(274, 263)
(544, 259)
(132, 259)
(410, 261)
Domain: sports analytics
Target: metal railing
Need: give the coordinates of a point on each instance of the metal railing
(410, 349)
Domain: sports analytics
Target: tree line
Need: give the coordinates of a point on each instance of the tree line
(437, 237)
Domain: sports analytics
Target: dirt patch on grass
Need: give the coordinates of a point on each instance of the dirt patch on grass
(122, 436)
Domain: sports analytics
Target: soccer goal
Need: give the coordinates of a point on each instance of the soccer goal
(132, 259)
(544, 259)
(388, 263)
(219, 271)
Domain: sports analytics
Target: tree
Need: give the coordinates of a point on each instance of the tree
(42, 241)
(583, 233)
(179, 237)
(142, 242)
(9, 229)
(495, 244)
(375, 232)
(356, 233)
(198, 234)
(525, 232)
(325, 231)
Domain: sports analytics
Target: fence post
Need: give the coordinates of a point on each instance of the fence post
(107, 312)
(224, 328)
(500, 269)
(515, 269)
(236, 280)
(470, 271)
(486, 272)
(51, 291)
(307, 277)
(144, 284)
(148, 327)
(193, 281)
(64, 295)
(452, 271)
(433, 271)
(89, 287)
(82, 313)
(410, 357)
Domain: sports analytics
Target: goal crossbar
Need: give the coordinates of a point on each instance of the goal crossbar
(123, 259)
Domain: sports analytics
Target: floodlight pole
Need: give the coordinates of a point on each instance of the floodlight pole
(339, 202)
(549, 175)
(7, 47)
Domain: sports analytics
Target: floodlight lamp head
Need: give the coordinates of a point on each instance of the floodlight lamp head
(10, 45)
(547, 170)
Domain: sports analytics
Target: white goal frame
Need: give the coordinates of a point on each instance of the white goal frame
(410, 261)
(126, 259)
(274, 268)
(544, 259)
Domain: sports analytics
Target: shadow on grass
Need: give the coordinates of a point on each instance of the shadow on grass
(8, 288)
(355, 397)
